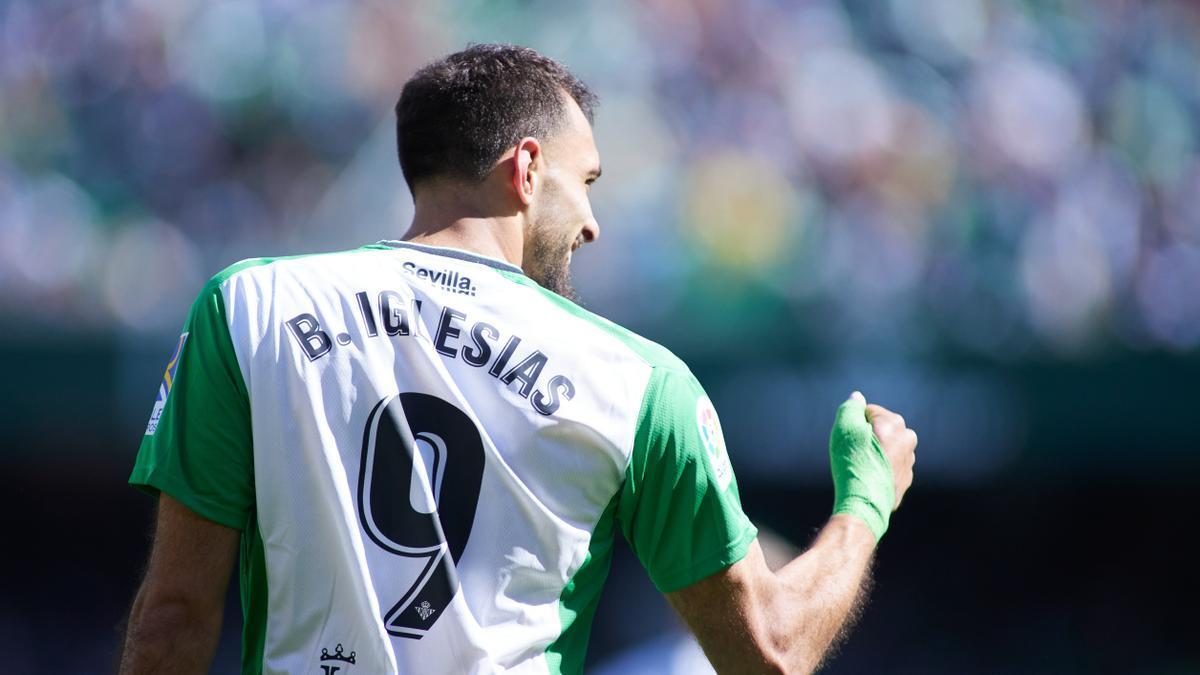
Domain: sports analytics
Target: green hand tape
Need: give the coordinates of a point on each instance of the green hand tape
(862, 474)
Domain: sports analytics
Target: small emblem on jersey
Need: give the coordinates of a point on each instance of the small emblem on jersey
(337, 655)
(164, 389)
(425, 610)
(713, 441)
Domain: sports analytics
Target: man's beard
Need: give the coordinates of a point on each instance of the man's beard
(547, 263)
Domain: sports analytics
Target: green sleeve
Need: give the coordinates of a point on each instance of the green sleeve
(679, 507)
(197, 447)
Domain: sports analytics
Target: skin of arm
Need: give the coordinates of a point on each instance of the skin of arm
(175, 621)
(749, 619)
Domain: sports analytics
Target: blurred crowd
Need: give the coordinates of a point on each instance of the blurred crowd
(994, 177)
(982, 213)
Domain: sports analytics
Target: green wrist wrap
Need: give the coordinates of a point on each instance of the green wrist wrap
(862, 475)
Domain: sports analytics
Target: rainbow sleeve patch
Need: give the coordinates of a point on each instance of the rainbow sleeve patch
(713, 441)
(164, 389)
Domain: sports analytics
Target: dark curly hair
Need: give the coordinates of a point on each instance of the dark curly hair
(456, 116)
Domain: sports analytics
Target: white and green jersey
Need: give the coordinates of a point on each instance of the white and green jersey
(428, 456)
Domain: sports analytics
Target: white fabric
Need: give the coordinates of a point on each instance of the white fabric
(546, 478)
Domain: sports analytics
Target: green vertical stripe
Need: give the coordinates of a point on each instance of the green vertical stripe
(579, 599)
(253, 586)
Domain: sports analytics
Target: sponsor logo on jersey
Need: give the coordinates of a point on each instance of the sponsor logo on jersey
(449, 280)
(713, 441)
(164, 389)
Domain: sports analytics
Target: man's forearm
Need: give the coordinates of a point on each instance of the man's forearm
(750, 619)
(165, 636)
(815, 597)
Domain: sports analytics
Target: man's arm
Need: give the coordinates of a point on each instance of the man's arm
(749, 619)
(176, 617)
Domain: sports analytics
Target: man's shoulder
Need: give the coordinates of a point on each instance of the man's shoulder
(654, 354)
(289, 264)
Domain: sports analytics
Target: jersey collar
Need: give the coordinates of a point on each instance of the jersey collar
(456, 253)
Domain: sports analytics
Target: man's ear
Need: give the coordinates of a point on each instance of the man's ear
(527, 168)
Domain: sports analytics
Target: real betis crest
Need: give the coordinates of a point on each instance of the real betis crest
(425, 610)
(713, 441)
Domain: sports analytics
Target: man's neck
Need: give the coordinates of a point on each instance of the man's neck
(445, 218)
(481, 236)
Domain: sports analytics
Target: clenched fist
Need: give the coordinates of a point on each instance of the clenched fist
(871, 456)
(899, 445)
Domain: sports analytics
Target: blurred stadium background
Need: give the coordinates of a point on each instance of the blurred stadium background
(983, 214)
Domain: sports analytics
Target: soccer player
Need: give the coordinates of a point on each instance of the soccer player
(422, 450)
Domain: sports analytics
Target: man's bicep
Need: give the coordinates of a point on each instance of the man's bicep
(191, 559)
(723, 612)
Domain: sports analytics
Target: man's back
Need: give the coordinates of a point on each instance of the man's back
(428, 455)
(424, 454)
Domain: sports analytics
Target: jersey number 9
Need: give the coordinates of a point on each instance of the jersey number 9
(418, 488)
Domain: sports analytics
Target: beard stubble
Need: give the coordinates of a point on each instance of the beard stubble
(548, 264)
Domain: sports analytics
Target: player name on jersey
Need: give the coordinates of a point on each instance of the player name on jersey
(478, 344)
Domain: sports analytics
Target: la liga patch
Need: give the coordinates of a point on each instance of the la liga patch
(714, 441)
(164, 389)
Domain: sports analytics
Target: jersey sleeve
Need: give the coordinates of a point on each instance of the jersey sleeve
(679, 507)
(197, 447)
